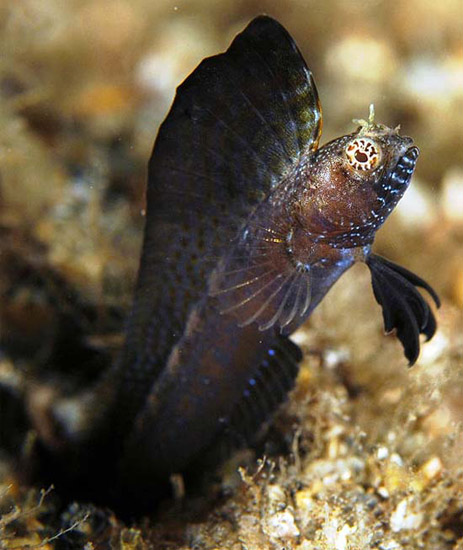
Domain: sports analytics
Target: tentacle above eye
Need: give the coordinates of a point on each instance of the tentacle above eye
(404, 308)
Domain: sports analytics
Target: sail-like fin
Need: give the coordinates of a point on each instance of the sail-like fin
(404, 308)
(267, 389)
(237, 125)
(257, 281)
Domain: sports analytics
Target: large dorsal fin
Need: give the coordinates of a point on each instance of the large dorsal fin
(237, 125)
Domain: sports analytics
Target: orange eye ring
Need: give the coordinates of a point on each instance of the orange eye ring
(363, 154)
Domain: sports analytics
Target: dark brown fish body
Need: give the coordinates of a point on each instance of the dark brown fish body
(248, 226)
(261, 284)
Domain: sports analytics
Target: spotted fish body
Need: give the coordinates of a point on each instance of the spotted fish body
(248, 226)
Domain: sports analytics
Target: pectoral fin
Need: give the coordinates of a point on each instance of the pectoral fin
(257, 282)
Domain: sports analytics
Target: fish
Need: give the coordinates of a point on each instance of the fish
(249, 223)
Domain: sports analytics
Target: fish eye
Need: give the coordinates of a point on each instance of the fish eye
(363, 153)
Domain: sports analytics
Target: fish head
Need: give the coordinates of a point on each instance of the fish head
(378, 157)
(356, 181)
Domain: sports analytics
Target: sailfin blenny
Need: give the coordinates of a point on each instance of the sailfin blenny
(249, 224)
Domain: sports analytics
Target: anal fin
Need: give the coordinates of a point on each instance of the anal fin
(266, 390)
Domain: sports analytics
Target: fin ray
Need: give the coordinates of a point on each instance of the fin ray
(264, 325)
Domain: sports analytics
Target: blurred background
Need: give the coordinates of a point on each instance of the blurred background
(84, 86)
